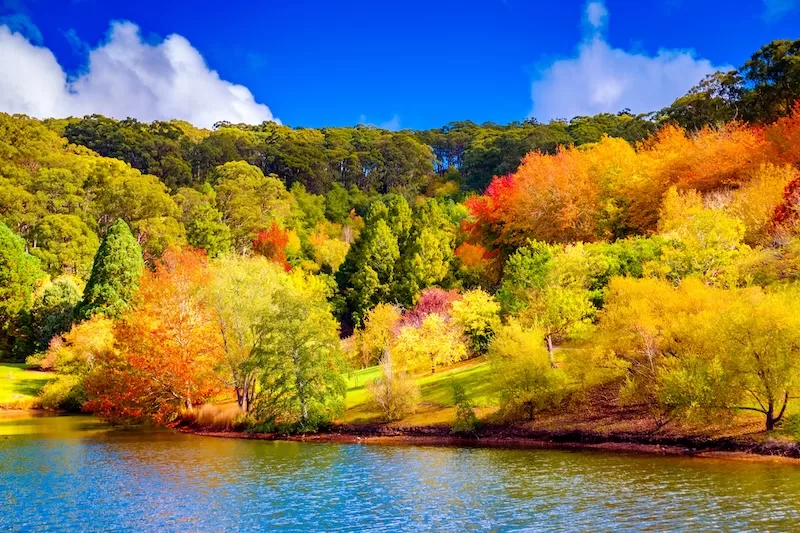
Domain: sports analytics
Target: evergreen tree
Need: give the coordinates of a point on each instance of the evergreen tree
(115, 275)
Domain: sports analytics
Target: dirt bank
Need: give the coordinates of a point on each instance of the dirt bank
(741, 448)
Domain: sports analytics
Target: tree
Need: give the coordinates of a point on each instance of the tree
(53, 312)
(272, 245)
(169, 348)
(433, 343)
(19, 273)
(64, 244)
(760, 343)
(394, 393)
(377, 334)
(240, 290)
(115, 275)
(478, 315)
(525, 381)
(300, 360)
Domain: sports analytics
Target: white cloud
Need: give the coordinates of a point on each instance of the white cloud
(776, 9)
(125, 77)
(597, 14)
(392, 124)
(600, 78)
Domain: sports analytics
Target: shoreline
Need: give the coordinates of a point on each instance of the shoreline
(728, 448)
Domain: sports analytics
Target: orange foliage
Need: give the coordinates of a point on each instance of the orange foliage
(167, 347)
(609, 189)
(272, 245)
(784, 138)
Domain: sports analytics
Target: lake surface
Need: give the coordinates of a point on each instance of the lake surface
(76, 474)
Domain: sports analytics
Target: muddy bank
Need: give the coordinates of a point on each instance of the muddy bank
(743, 448)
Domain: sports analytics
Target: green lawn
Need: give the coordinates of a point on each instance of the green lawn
(436, 389)
(19, 386)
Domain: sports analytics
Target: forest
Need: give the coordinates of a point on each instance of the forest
(161, 271)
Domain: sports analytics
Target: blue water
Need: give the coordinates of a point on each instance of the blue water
(75, 474)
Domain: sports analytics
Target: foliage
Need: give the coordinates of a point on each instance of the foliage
(523, 377)
(115, 274)
(168, 348)
(466, 423)
(53, 311)
(377, 335)
(300, 359)
(478, 315)
(395, 394)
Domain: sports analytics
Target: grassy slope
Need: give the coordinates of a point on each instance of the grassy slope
(19, 387)
(437, 393)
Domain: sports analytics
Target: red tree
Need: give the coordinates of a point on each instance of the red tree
(272, 245)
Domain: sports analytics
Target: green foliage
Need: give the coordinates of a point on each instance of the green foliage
(466, 423)
(53, 312)
(19, 273)
(298, 355)
(523, 377)
(115, 274)
(64, 244)
(478, 315)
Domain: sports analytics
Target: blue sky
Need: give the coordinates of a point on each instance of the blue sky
(410, 64)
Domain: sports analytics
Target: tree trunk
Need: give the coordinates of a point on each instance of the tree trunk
(549, 339)
(770, 415)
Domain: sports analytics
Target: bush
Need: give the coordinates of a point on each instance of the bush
(466, 423)
(64, 393)
(395, 394)
(221, 417)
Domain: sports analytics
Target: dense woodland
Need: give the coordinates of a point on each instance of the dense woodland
(157, 267)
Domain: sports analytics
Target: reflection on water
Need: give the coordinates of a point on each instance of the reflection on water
(74, 473)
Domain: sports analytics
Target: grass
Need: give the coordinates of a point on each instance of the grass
(20, 386)
(436, 389)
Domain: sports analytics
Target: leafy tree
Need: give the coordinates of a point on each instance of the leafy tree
(478, 315)
(435, 342)
(19, 274)
(466, 422)
(272, 244)
(53, 311)
(115, 275)
(525, 381)
(394, 393)
(64, 244)
(169, 348)
(300, 360)
(203, 222)
(377, 335)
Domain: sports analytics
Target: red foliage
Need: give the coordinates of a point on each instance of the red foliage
(272, 245)
(166, 349)
(787, 213)
(433, 300)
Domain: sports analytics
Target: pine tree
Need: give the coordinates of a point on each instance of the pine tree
(115, 274)
(19, 272)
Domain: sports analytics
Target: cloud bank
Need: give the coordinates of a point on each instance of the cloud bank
(125, 77)
(600, 78)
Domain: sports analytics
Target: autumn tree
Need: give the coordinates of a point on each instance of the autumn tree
(478, 315)
(169, 347)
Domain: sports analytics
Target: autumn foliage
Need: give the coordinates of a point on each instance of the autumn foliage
(611, 189)
(167, 348)
(272, 245)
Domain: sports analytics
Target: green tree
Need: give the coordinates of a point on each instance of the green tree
(53, 312)
(19, 274)
(115, 274)
(525, 381)
(300, 360)
(478, 315)
(241, 290)
(65, 245)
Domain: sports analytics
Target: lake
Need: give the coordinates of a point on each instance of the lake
(76, 474)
